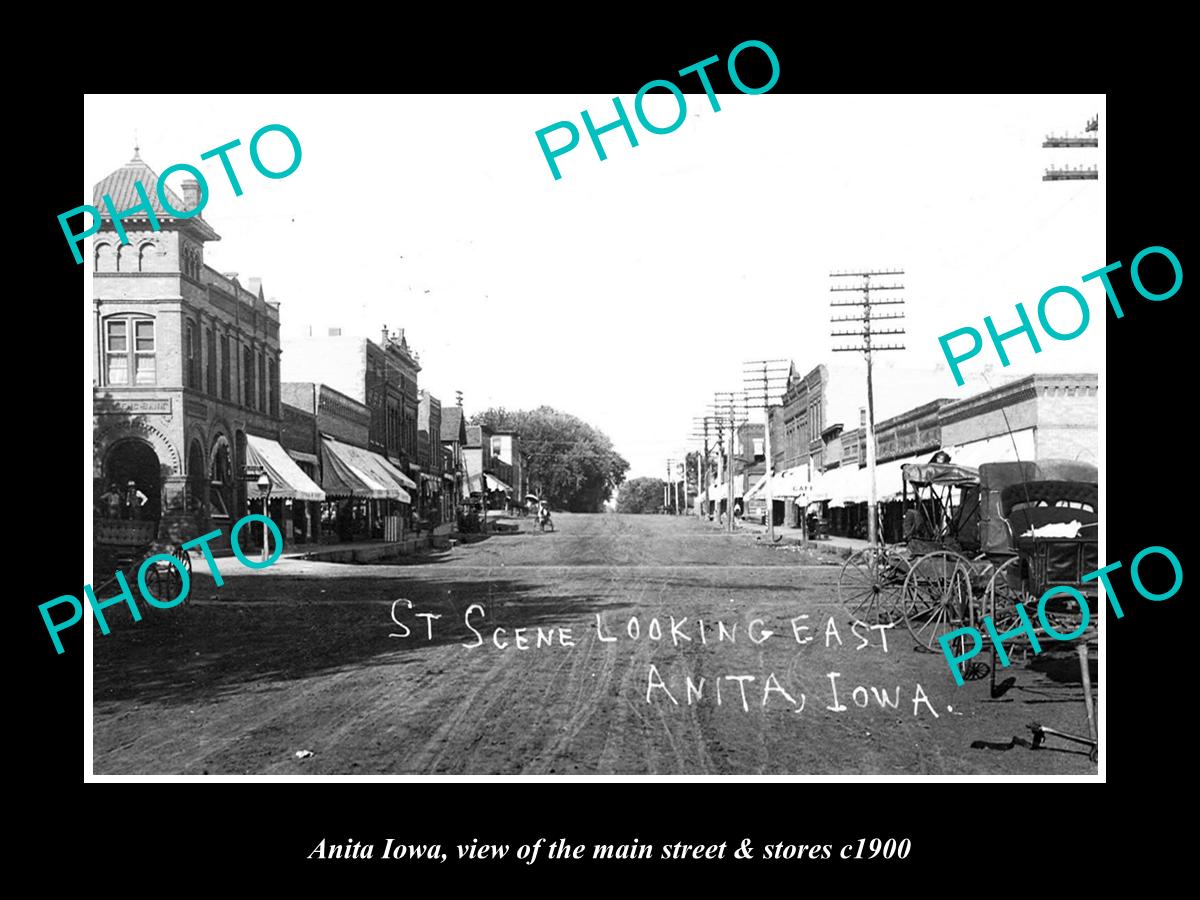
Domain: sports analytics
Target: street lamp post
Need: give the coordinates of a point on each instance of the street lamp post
(264, 485)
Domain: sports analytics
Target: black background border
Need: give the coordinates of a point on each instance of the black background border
(221, 830)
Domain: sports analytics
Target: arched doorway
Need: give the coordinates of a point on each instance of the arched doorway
(132, 468)
(222, 487)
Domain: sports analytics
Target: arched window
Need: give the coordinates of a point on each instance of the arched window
(221, 484)
(106, 257)
(127, 259)
(144, 252)
(129, 350)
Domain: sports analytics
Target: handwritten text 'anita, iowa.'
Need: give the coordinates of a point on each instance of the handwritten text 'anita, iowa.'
(675, 630)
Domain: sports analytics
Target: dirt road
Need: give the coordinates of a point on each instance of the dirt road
(630, 644)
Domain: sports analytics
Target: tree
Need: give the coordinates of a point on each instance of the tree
(572, 465)
(641, 495)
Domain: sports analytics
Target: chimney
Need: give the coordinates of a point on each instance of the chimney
(384, 338)
(191, 193)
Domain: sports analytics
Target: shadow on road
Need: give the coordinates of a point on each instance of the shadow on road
(255, 630)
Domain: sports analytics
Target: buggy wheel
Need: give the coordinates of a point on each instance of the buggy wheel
(870, 583)
(936, 596)
(164, 582)
(1005, 590)
(185, 558)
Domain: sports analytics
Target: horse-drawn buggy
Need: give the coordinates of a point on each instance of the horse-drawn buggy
(123, 545)
(978, 542)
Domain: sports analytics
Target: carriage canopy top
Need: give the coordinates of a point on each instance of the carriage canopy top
(999, 475)
(940, 473)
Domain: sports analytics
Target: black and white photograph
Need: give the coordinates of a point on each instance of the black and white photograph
(705, 431)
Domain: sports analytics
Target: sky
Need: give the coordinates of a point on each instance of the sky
(632, 289)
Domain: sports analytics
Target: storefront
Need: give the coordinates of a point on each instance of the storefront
(497, 491)
(274, 481)
(369, 494)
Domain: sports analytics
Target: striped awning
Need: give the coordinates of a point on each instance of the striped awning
(288, 480)
(340, 479)
(370, 475)
(493, 483)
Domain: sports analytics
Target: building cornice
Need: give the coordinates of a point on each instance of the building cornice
(1049, 384)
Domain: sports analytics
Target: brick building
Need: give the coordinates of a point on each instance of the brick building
(185, 373)
(454, 440)
(436, 503)
(383, 376)
(1031, 418)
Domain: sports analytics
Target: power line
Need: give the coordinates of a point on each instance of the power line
(865, 343)
(763, 376)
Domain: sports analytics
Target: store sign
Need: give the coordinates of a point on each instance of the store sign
(155, 405)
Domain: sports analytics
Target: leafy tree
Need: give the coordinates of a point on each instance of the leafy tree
(641, 495)
(571, 464)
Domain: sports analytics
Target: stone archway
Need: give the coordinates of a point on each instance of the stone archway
(132, 469)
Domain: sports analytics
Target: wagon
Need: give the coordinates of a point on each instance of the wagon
(1033, 527)
(940, 503)
(1040, 523)
(122, 545)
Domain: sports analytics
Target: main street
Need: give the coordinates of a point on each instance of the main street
(320, 657)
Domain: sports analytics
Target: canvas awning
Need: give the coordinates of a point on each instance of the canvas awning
(288, 481)
(493, 483)
(719, 492)
(371, 473)
(889, 478)
(301, 457)
(845, 485)
(760, 487)
(791, 483)
(340, 479)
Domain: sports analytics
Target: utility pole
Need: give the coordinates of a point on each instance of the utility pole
(764, 377)
(667, 488)
(681, 501)
(702, 466)
(727, 402)
(865, 344)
